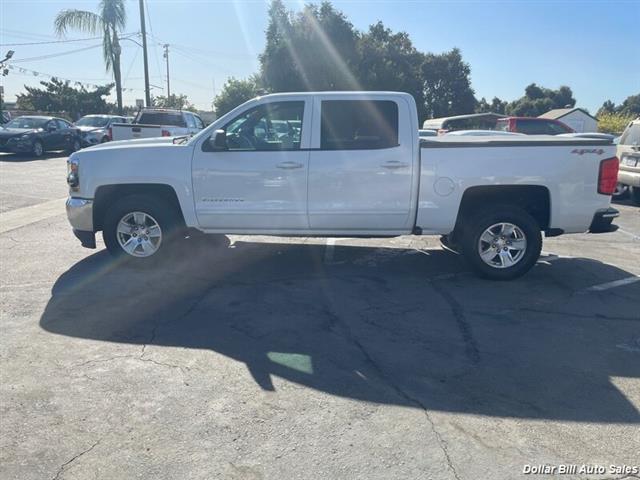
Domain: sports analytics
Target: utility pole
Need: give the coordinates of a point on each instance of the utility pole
(143, 30)
(3, 72)
(166, 56)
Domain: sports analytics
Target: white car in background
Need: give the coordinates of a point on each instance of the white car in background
(95, 129)
(629, 155)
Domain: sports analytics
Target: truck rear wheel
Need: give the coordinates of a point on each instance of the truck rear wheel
(502, 242)
(140, 228)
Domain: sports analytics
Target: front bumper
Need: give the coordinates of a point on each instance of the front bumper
(80, 215)
(14, 146)
(602, 221)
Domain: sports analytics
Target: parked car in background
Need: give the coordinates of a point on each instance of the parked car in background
(5, 117)
(629, 155)
(96, 129)
(481, 133)
(158, 122)
(473, 121)
(532, 126)
(38, 134)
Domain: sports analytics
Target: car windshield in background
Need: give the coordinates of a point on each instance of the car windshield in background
(93, 122)
(631, 136)
(27, 122)
(161, 118)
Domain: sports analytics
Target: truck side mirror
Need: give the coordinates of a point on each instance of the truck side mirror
(217, 142)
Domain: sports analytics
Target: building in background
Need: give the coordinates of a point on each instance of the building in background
(577, 118)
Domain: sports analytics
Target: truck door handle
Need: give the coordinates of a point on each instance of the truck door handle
(289, 165)
(394, 164)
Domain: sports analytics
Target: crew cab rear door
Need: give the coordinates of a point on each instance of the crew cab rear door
(259, 182)
(361, 164)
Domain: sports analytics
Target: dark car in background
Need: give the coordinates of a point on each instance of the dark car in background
(532, 126)
(38, 134)
(96, 129)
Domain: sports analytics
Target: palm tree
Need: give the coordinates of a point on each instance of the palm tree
(110, 20)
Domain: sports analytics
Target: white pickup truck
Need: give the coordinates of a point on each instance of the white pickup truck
(158, 122)
(343, 164)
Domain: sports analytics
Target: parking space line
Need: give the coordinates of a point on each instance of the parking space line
(20, 217)
(329, 249)
(608, 285)
(632, 235)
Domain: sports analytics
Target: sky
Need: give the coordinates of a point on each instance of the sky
(593, 46)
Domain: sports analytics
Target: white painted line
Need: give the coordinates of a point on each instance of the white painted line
(614, 284)
(632, 235)
(27, 215)
(329, 249)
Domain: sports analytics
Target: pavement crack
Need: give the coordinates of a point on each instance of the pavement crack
(470, 345)
(335, 323)
(65, 465)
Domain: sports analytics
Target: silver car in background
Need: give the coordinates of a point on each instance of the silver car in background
(95, 129)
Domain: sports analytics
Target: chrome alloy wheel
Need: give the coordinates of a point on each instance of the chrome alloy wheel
(139, 234)
(502, 245)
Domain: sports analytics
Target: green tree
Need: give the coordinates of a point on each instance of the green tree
(179, 102)
(109, 21)
(607, 107)
(315, 49)
(389, 61)
(538, 100)
(613, 122)
(496, 106)
(59, 96)
(447, 85)
(235, 92)
(631, 105)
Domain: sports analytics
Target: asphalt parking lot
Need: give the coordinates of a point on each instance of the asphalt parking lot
(284, 358)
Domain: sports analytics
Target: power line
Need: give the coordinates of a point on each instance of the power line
(53, 55)
(50, 42)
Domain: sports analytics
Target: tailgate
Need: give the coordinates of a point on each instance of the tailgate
(127, 131)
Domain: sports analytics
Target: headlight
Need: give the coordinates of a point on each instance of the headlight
(73, 174)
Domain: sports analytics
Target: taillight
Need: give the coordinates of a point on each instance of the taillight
(608, 176)
(166, 133)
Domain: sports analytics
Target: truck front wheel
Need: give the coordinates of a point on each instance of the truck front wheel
(140, 228)
(502, 242)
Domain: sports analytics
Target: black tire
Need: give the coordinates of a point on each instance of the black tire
(635, 195)
(38, 149)
(480, 221)
(160, 210)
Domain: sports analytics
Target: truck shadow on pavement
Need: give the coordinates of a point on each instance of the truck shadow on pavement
(383, 325)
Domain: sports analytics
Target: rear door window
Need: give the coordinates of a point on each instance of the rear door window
(631, 135)
(533, 127)
(162, 118)
(358, 124)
